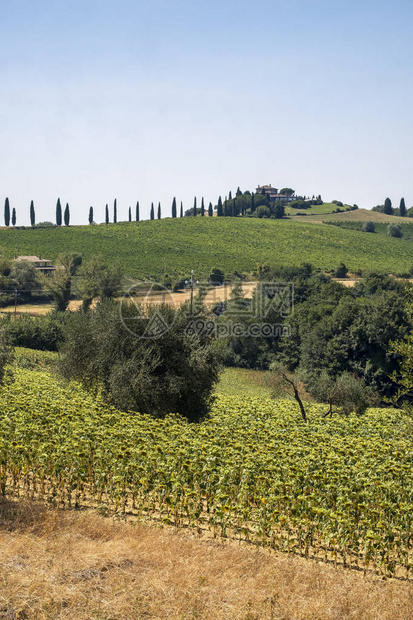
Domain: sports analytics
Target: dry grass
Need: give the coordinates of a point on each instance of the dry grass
(83, 566)
(360, 215)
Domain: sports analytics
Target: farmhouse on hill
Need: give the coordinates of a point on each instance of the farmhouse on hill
(40, 264)
(272, 193)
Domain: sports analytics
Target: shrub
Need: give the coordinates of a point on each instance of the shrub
(262, 211)
(341, 271)
(118, 348)
(216, 276)
(43, 333)
(394, 230)
(369, 226)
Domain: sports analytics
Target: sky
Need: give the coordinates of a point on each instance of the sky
(147, 100)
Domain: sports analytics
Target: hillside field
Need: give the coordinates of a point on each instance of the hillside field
(149, 249)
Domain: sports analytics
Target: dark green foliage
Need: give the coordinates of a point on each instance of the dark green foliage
(174, 207)
(210, 210)
(173, 373)
(159, 210)
(194, 208)
(252, 203)
(107, 215)
(97, 279)
(152, 212)
(369, 227)
(341, 271)
(278, 211)
(202, 207)
(220, 212)
(216, 276)
(58, 213)
(287, 191)
(67, 215)
(25, 279)
(6, 355)
(60, 283)
(32, 214)
(388, 209)
(6, 212)
(13, 217)
(345, 392)
(262, 211)
(115, 211)
(42, 333)
(394, 230)
(181, 213)
(130, 214)
(90, 215)
(137, 212)
(402, 208)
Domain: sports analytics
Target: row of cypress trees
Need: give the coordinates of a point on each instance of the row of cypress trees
(63, 216)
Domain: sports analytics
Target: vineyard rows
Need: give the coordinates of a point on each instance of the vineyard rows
(337, 489)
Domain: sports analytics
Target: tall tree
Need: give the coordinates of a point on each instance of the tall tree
(238, 192)
(115, 211)
(7, 212)
(58, 213)
(90, 215)
(194, 212)
(202, 207)
(32, 214)
(388, 209)
(402, 208)
(13, 217)
(152, 212)
(219, 208)
(159, 210)
(252, 203)
(182, 210)
(67, 215)
(130, 214)
(107, 214)
(210, 210)
(174, 207)
(230, 195)
(137, 212)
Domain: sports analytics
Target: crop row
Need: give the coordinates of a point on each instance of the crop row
(340, 489)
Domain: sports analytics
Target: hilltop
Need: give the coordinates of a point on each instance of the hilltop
(149, 249)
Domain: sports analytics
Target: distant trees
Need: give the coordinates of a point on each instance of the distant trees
(287, 191)
(97, 279)
(394, 230)
(174, 207)
(219, 208)
(107, 214)
(262, 211)
(181, 214)
(13, 217)
(130, 214)
(137, 212)
(90, 215)
(7, 212)
(194, 208)
(60, 282)
(341, 271)
(58, 213)
(67, 215)
(115, 211)
(159, 210)
(32, 214)
(152, 215)
(202, 207)
(402, 208)
(388, 209)
(210, 210)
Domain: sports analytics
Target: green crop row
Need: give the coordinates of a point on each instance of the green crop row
(338, 489)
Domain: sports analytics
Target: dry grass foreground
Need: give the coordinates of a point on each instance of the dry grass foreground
(84, 566)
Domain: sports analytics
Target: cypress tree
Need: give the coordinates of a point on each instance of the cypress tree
(210, 210)
(387, 207)
(202, 207)
(137, 212)
(230, 195)
(152, 212)
(6, 212)
(182, 210)
(67, 215)
(194, 213)
(13, 217)
(107, 215)
(32, 214)
(252, 203)
(90, 215)
(159, 210)
(234, 207)
(115, 212)
(174, 207)
(402, 208)
(130, 214)
(58, 213)
(219, 208)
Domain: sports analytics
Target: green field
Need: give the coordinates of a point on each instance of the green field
(149, 249)
(336, 489)
(326, 207)
(381, 227)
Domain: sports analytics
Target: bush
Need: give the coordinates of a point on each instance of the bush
(341, 271)
(262, 211)
(43, 333)
(45, 225)
(118, 348)
(216, 277)
(394, 230)
(369, 227)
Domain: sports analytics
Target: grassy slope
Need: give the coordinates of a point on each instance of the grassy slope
(381, 227)
(152, 248)
(326, 207)
(360, 215)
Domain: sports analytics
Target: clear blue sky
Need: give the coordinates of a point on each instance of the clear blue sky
(147, 100)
